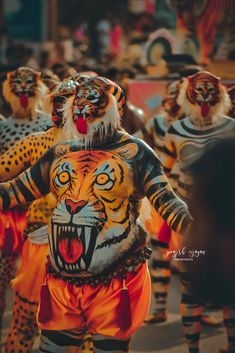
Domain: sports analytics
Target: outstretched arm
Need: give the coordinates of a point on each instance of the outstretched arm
(160, 194)
(28, 186)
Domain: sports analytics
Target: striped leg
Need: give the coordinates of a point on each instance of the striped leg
(66, 341)
(191, 312)
(229, 323)
(87, 344)
(110, 344)
(23, 326)
(160, 277)
(7, 266)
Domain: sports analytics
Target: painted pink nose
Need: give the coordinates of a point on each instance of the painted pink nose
(74, 206)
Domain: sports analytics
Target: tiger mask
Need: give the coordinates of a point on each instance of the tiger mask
(24, 90)
(203, 97)
(96, 109)
(92, 225)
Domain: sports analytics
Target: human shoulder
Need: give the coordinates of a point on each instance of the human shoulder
(142, 146)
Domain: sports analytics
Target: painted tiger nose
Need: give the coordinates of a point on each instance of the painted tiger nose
(74, 206)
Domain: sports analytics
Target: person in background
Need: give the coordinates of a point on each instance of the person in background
(160, 234)
(213, 231)
(205, 102)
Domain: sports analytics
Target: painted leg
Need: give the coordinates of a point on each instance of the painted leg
(109, 344)
(23, 326)
(229, 323)
(191, 312)
(87, 344)
(67, 341)
(7, 266)
(160, 278)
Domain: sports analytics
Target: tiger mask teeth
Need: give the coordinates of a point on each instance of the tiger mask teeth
(75, 246)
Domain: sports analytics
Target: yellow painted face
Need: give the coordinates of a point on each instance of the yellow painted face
(23, 84)
(203, 89)
(89, 104)
(92, 218)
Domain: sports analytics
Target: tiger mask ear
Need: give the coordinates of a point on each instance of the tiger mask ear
(10, 75)
(112, 88)
(103, 83)
(37, 74)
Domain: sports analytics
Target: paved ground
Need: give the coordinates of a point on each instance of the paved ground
(163, 338)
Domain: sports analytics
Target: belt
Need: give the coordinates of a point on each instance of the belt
(129, 264)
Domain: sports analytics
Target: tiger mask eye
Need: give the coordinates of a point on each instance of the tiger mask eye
(64, 177)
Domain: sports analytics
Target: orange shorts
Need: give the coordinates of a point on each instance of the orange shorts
(96, 309)
(12, 225)
(31, 271)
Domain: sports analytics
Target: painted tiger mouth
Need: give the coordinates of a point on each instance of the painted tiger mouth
(27, 93)
(74, 246)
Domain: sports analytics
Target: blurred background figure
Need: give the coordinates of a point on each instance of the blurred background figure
(213, 231)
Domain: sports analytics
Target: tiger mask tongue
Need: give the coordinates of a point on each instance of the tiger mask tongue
(205, 108)
(24, 100)
(81, 124)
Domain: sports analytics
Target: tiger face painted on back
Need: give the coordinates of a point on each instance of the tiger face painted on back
(203, 97)
(92, 225)
(95, 108)
(23, 89)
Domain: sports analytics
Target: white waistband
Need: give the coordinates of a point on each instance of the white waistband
(39, 236)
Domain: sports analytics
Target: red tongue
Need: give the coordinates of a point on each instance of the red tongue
(81, 125)
(70, 249)
(56, 120)
(24, 99)
(205, 108)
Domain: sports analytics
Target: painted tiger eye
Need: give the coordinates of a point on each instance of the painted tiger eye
(64, 177)
(102, 179)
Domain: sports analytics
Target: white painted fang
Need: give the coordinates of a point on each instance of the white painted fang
(55, 235)
(82, 264)
(79, 230)
(59, 262)
(87, 238)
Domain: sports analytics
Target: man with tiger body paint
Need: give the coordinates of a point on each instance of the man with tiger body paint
(97, 278)
(160, 233)
(204, 101)
(24, 91)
